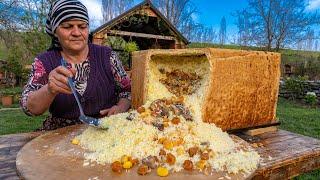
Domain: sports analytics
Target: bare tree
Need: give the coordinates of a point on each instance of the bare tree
(316, 44)
(113, 8)
(223, 31)
(276, 23)
(245, 33)
(310, 39)
(180, 13)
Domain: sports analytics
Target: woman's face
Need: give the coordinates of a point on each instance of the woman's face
(73, 35)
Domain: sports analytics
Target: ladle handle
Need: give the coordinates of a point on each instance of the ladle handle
(71, 84)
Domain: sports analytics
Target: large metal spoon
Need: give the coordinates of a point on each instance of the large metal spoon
(85, 119)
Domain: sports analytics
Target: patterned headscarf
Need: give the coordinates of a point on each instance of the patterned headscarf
(60, 11)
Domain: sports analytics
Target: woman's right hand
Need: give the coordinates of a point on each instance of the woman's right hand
(58, 80)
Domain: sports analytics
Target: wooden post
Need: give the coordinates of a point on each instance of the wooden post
(98, 39)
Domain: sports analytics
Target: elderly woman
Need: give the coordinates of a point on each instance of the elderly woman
(100, 80)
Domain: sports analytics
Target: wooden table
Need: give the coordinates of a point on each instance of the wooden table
(285, 154)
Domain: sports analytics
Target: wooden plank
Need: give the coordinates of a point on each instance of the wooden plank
(138, 89)
(148, 11)
(9, 147)
(286, 155)
(290, 149)
(254, 132)
(143, 35)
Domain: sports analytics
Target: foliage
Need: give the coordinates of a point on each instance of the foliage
(311, 98)
(35, 42)
(295, 86)
(6, 92)
(22, 32)
(115, 42)
(131, 47)
(11, 91)
(122, 48)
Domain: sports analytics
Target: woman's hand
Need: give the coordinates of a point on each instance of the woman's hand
(58, 80)
(122, 106)
(111, 111)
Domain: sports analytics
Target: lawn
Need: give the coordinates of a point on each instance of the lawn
(299, 119)
(293, 117)
(15, 121)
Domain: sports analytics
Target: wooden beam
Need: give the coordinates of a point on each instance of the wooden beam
(254, 132)
(151, 36)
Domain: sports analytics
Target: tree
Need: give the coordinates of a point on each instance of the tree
(22, 24)
(203, 34)
(316, 45)
(21, 16)
(245, 36)
(180, 13)
(113, 8)
(277, 23)
(310, 39)
(223, 31)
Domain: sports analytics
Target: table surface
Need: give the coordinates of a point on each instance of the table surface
(285, 154)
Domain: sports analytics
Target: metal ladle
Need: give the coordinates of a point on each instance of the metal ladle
(83, 118)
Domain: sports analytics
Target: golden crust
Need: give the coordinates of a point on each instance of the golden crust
(243, 85)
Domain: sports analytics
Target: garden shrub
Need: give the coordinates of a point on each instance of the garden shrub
(311, 98)
(295, 86)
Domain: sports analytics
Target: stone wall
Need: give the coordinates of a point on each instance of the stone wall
(309, 86)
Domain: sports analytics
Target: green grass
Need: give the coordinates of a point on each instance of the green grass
(299, 119)
(15, 121)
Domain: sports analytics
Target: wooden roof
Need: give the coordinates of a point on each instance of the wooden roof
(133, 11)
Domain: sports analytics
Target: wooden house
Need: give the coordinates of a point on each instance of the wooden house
(145, 25)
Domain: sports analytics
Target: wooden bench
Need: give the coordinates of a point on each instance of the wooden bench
(287, 154)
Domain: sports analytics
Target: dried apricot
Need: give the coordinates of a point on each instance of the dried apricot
(116, 167)
(143, 170)
(175, 120)
(192, 151)
(162, 152)
(141, 109)
(204, 156)
(171, 159)
(188, 165)
(134, 161)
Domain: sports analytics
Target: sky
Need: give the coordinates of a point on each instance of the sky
(210, 11)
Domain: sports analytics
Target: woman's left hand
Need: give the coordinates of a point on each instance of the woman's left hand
(122, 106)
(111, 111)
